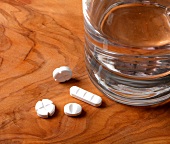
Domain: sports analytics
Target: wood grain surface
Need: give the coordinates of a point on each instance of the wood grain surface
(37, 36)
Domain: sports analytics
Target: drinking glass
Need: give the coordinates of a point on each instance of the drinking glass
(127, 49)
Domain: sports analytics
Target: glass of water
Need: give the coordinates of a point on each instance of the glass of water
(127, 49)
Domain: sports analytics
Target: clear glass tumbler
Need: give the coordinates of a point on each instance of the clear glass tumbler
(127, 49)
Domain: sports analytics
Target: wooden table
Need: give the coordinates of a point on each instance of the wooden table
(35, 38)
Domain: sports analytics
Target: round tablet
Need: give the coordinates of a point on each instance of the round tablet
(45, 108)
(72, 109)
(62, 74)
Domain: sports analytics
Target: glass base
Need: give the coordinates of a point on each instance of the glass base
(129, 94)
(130, 101)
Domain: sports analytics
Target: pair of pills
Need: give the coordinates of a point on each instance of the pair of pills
(74, 109)
(46, 107)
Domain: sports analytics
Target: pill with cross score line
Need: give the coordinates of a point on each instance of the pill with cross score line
(85, 96)
(45, 108)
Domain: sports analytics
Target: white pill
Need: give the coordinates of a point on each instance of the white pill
(72, 109)
(62, 74)
(45, 108)
(85, 96)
